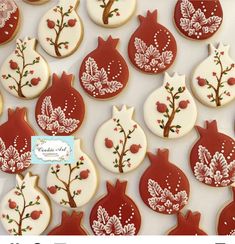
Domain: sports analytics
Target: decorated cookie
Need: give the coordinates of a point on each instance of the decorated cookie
(70, 225)
(36, 1)
(188, 225)
(170, 111)
(120, 143)
(25, 73)
(15, 142)
(25, 210)
(226, 224)
(152, 48)
(9, 20)
(212, 157)
(115, 213)
(164, 187)
(111, 13)
(60, 30)
(198, 19)
(73, 185)
(104, 72)
(60, 109)
(213, 80)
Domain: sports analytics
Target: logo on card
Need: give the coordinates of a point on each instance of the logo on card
(52, 149)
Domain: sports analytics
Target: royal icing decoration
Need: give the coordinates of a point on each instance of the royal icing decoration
(170, 111)
(212, 157)
(111, 13)
(152, 48)
(115, 213)
(25, 210)
(60, 109)
(70, 225)
(226, 224)
(9, 20)
(164, 187)
(15, 142)
(120, 143)
(198, 20)
(104, 73)
(73, 185)
(25, 73)
(60, 29)
(214, 79)
(188, 225)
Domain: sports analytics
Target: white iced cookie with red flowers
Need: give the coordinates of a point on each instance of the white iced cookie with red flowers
(25, 74)
(25, 210)
(73, 185)
(170, 111)
(120, 143)
(60, 30)
(213, 80)
(111, 13)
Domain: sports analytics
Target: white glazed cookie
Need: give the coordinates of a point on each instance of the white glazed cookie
(25, 74)
(170, 111)
(213, 80)
(25, 210)
(60, 30)
(73, 185)
(111, 13)
(120, 143)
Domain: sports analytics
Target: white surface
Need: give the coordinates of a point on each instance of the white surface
(205, 199)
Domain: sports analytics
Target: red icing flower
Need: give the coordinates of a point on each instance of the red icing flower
(52, 189)
(201, 81)
(183, 104)
(72, 22)
(79, 191)
(161, 107)
(84, 174)
(214, 73)
(108, 143)
(37, 198)
(231, 81)
(135, 148)
(81, 158)
(13, 65)
(35, 81)
(12, 204)
(50, 24)
(36, 214)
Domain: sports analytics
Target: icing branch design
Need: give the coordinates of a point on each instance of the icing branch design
(21, 70)
(67, 185)
(22, 212)
(121, 149)
(58, 26)
(108, 11)
(216, 96)
(170, 110)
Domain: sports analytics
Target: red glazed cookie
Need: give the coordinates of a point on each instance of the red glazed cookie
(212, 157)
(188, 225)
(15, 142)
(70, 225)
(152, 48)
(164, 187)
(198, 19)
(104, 73)
(115, 213)
(9, 20)
(60, 109)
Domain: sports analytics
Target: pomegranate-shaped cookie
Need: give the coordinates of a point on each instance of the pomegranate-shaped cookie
(188, 225)
(25, 73)
(212, 157)
(9, 20)
(60, 30)
(213, 80)
(110, 13)
(120, 143)
(104, 73)
(198, 20)
(60, 109)
(15, 142)
(115, 213)
(152, 48)
(226, 224)
(70, 225)
(170, 111)
(73, 185)
(164, 187)
(25, 210)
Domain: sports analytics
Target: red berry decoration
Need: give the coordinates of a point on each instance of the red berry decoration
(12, 204)
(13, 65)
(231, 81)
(115, 213)
(72, 22)
(183, 104)
(201, 81)
(35, 81)
(135, 148)
(52, 189)
(36, 214)
(50, 24)
(108, 143)
(212, 157)
(164, 187)
(161, 107)
(84, 174)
